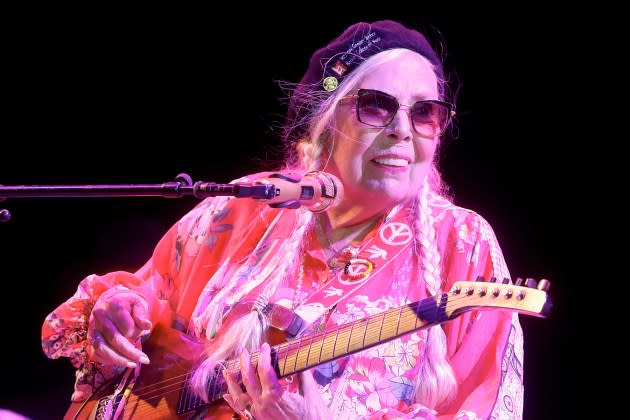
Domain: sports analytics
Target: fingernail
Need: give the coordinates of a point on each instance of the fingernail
(131, 365)
(144, 359)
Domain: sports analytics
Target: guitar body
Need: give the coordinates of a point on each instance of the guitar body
(156, 392)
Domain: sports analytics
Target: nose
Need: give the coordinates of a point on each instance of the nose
(400, 127)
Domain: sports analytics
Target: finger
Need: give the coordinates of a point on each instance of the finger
(250, 379)
(237, 398)
(307, 384)
(115, 340)
(99, 351)
(120, 311)
(140, 315)
(230, 400)
(267, 374)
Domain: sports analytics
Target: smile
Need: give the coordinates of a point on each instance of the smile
(392, 161)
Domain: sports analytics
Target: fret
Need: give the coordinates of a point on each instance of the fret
(367, 324)
(323, 341)
(349, 338)
(330, 340)
(308, 353)
(416, 308)
(390, 321)
(342, 340)
(286, 357)
(291, 357)
(380, 330)
(407, 320)
(356, 337)
(301, 361)
(315, 348)
(335, 343)
(374, 323)
(275, 364)
(398, 322)
(297, 353)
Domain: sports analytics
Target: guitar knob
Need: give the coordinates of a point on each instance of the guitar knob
(480, 278)
(506, 280)
(544, 285)
(530, 282)
(493, 279)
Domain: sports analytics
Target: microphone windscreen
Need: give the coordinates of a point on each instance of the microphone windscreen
(329, 191)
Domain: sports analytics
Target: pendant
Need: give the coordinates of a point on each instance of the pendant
(342, 258)
(358, 269)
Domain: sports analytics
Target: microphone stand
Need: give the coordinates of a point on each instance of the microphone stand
(182, 186)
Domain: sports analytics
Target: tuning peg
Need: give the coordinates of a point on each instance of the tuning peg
(519, 281)
(530, 282)
(480, 278)
(506, 280)
(544, 285)
(493, 279)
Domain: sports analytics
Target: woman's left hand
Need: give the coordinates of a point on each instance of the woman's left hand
(264, 398)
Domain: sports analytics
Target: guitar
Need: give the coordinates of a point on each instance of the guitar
(161, 390)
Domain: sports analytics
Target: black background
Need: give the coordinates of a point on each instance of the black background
(121, 96)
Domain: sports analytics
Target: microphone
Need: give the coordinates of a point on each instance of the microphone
(317, 191)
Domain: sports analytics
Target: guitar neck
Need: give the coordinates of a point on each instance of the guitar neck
(307, 352)
(310, 351)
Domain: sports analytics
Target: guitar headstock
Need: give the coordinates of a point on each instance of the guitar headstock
(527, 297)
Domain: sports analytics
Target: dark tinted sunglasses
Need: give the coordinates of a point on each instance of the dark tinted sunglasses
(378, 109)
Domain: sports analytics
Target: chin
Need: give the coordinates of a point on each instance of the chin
(389, 192)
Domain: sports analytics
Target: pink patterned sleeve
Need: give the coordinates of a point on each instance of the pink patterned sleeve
(64, 330)
(161, 281)
(484, 347)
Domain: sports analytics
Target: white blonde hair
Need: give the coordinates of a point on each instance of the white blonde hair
(435, 383)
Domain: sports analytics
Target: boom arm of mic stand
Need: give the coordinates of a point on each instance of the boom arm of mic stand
(182, 186)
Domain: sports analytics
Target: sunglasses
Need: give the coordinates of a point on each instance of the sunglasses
(378, 109)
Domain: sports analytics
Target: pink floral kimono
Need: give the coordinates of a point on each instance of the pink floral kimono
(484, 347)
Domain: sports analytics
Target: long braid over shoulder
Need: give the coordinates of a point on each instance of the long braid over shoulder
(436, 382)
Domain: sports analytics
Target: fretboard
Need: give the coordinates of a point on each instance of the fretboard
(313, 350)
(309, 351)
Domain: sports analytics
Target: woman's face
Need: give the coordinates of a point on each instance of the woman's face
(380, 167)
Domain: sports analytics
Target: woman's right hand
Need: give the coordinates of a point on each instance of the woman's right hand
(116, 323)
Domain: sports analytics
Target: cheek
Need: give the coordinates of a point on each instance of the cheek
(425, 150)
(350, 146)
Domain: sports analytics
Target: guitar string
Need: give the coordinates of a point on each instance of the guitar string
(285, 350)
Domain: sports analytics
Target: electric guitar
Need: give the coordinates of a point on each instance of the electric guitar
(161, 390)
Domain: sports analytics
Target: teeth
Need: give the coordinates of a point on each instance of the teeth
(392, 161)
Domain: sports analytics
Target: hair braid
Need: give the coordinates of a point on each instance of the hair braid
(436, 382)
(248, 330)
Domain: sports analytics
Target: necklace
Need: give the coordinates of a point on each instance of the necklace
(338, 259)
(297, 293)
(338, 256)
